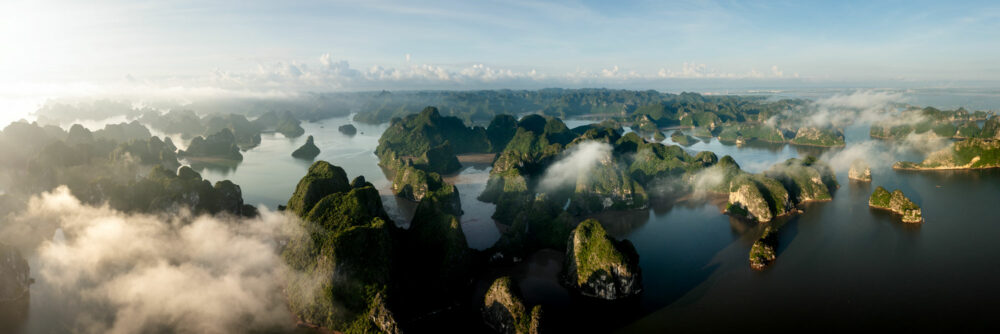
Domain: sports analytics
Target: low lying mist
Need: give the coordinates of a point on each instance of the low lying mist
(576, 162)
(132, 273)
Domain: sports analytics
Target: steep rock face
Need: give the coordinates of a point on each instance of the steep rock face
(860, 171)
(383, 317)
(607, 187)
(416, 185)
(813, 136)
(348, 129)
(806, 180)
(646, 124)
(598, 266)
(221, 145)
(307, 151)
(322, 179)
(14, 275)
(762, 252)
(757, 197)
(896, 202)
(973, 153)
(991, 128)
(503, 309)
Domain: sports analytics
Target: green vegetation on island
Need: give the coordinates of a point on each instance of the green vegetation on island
(599, 266)
(973, 153)
(348, 129)
(897, 203)
(762, 252)
(307, 151)
(354, 262)
(219, 146)
(958, 123)
(757, 197)
(505, 312)
(682, 139)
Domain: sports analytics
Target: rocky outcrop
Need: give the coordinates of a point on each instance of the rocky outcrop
(322, 179)
(762, 252)
(757, 198)
(600, 267)
(307, 151)
(971, 153)
(860, 171)
(813, 136)
(221, 145)
(415, 185)
(682, 139)
(806, 179)
(341, 266)
(284, 123)
(503, 309)
(14, 275)
(348, 129)
(897, 203)
(607, 187)
(383, 317)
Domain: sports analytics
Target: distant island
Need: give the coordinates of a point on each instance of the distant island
(307, 151)
(973, 153)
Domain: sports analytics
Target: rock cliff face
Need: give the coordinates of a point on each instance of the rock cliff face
(14, 275)
(308, 151)
(607, 187)
(762, 252)
(860, 171)
(806, 180)
(757, 197)
(600, 267)
(974, 153)
(383, 318)
(344, 262)
(503, 309)
(418, 185)
(897, 203)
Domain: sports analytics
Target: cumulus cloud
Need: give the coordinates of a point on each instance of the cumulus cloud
(576, 162)
(133, 273)
(858, 107)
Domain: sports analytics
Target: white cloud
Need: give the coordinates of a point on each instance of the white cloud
(576, 162)
(132, 273)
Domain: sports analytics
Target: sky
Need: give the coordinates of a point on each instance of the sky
(52, 48)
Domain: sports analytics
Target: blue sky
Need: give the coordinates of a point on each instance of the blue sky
(86, 47)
